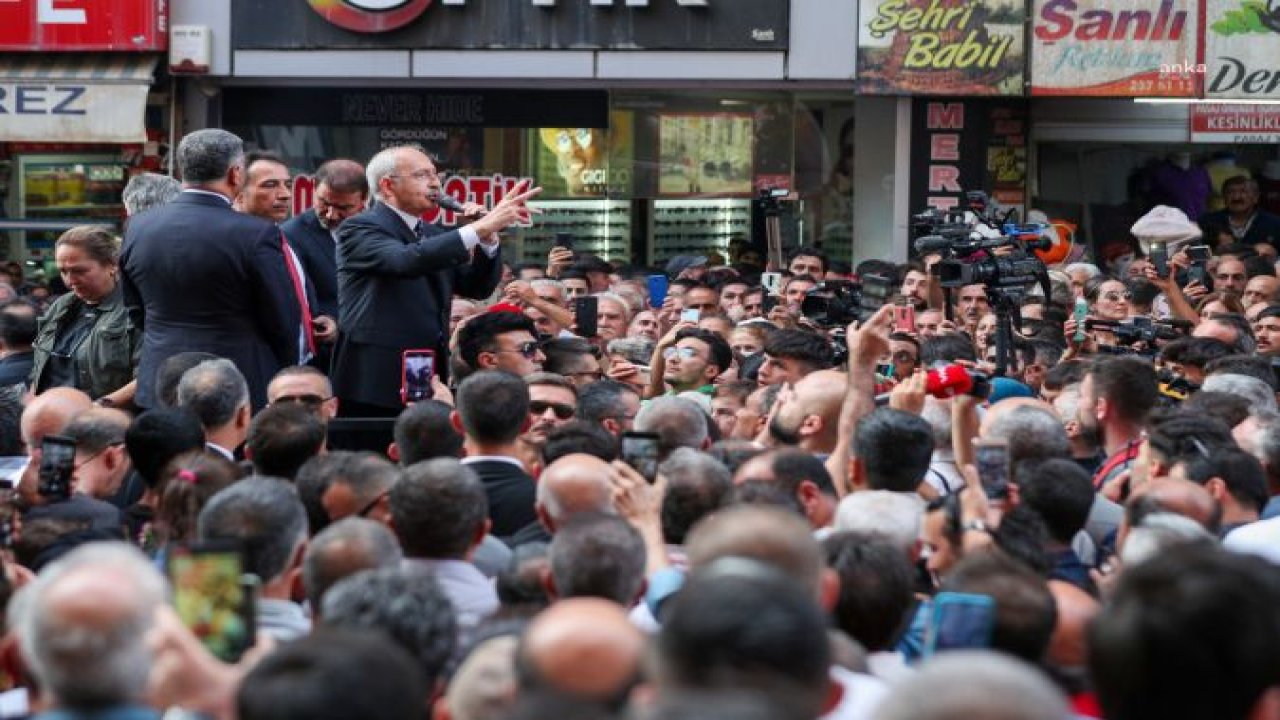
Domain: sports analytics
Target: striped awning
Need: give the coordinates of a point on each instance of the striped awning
(74, 97)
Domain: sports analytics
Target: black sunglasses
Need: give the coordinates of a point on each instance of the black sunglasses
(562, 411)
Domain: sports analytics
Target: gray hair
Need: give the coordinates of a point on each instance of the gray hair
(598, 556)
(621, 301)
(894, 515)
(677, 421)
(149, 190)
(214, 390)
(969, 683)
(1262, 399)
(554, 505)
(688, 466)
(1159, 532)
(348, 546)
(205, 156)
(382, 165)
(263, 512)
(539, 283)
(1033, 433)
(86, 663)
(1266, 445)
(1089, 269)
(636, 350)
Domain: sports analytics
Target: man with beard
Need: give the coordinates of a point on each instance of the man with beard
(341, 191)
(1116, 396)
(809, 415)
(797, 475)
(971, 304)
(1242, 219)
(553, 401)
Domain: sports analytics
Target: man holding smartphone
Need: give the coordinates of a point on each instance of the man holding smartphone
(397, 274)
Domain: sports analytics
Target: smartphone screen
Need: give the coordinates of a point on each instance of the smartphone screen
(640, 451)
(690, 315)
(771, 282)
(215, 598)
(57, 462)
(564, 240)
(992, 460)
(658, 286)
(585, 311)
(416, 370)
(1198, 253)
(960, 621)
(904, 318)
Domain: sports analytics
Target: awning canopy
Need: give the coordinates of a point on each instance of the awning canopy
(74, 97)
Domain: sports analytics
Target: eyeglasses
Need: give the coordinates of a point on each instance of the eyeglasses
(528, 349)
(562, 411)
(1117, 297)
(420, 175)
(96, 455)
(685, 353)
(311, 401)
(364, 511)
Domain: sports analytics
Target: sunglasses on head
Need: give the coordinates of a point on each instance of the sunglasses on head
(562, 411)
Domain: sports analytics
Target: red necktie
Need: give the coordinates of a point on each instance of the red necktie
(291, 262)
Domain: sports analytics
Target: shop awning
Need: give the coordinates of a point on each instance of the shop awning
(74, 97)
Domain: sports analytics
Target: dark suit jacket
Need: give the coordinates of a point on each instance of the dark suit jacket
(394, 292)
(211, 279)
(317, 252)
(511, 494)
(16, 368)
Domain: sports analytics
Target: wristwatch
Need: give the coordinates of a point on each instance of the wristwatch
(975, 526)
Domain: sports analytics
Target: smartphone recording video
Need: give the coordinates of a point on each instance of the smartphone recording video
(214, 597)
(57, 463)
(417, 369)
(640, 451)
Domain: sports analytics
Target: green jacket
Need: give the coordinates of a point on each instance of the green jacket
(108, 358)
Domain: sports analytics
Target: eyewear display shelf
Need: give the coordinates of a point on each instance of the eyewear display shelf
(597, 227)
(697, 227)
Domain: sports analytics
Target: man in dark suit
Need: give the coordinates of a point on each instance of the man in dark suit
(493, 409)
(397, 275)
(341, 191)
(207, 277)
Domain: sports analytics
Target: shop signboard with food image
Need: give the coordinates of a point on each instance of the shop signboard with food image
(936, 47)
(1242, 49)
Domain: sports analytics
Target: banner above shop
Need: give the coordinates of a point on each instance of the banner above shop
(1121, 48)
(1231, 124)
(69, 25)
(972, 145)
(1242, 49)
(74, 98)
(510, 24)
(941, 47)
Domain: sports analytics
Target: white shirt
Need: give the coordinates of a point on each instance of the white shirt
(1261, 538)
(470, 238)
(862, 695)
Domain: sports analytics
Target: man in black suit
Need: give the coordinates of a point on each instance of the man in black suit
(493, 409)
(341, 191)
(397, 275)
(207, 277)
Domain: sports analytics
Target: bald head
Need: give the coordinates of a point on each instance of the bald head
(573, 485)
(1076, 609)
(583, 647)
(1184, 498)
(780, 539)
(484, 687)
(50, 412)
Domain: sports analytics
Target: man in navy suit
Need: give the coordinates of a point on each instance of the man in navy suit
(207, 277)
(397, 275)
(341, 191)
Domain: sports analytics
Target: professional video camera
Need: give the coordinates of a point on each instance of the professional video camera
(979, 248)
(836, 303)
(1139, 331)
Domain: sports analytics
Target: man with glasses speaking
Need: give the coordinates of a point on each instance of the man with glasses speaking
(397, 275)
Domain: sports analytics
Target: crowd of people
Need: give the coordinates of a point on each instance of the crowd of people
(747, 494)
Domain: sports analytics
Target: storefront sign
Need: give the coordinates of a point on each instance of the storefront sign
(72, 111)
(510, 24)
(964, 145)
(1126, 48)
(962, 47)
(412, 108)
(1231, 124)
(56, 25)
(1242, 49)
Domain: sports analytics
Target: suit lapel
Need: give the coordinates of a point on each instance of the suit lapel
(391, 220)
